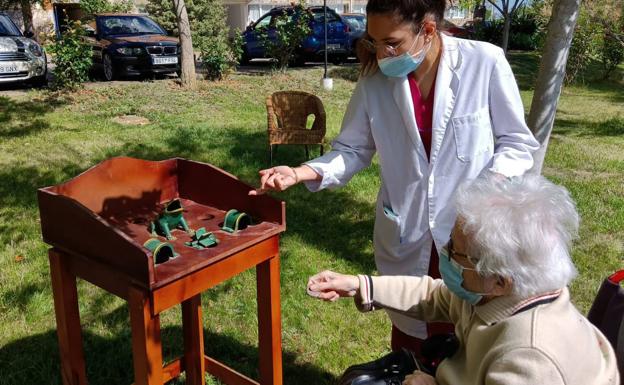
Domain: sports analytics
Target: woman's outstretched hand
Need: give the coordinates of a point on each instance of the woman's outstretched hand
(277, 178)
(419, 378)
(330, 286)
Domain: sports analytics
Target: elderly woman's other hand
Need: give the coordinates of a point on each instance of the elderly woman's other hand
(330, 286)
(419, 378)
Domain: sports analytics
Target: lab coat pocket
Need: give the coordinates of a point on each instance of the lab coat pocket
(388, 230)
(473, 134)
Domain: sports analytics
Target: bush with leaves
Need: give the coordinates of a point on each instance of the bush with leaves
(585, 46)
(525, 32)
(210, 33)
(91, 7)
(285, 36)
(163, 12)
(71, 56)
(210, 38)
(612, 50)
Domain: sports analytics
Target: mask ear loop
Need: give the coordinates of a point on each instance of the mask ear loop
(425, 47)
(416, 39)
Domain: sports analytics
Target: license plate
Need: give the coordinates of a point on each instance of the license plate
(333, 47)
(8, 69)
(165, 60)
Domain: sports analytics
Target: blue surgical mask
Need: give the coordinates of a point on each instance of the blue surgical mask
(404, 64)
(452, 275)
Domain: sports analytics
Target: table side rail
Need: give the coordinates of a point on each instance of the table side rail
(195, 283)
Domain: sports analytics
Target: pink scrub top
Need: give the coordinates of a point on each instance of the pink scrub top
(423, 109)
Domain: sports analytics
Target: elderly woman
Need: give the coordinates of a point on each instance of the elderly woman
(504, 277)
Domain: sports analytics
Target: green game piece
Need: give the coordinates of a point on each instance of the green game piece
(161, 251)
(168, 220)
(235, 221)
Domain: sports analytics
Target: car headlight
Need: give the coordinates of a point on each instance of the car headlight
(35, 49)
(129, 51)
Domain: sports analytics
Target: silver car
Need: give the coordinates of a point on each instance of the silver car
(21, 59)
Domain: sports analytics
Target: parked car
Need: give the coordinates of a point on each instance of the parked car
(132, 44)
(357, 28)
(313, 46)
(21, 58)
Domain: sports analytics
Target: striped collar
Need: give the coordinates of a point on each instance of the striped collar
(500, 308)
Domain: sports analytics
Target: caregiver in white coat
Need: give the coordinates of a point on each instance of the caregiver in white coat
(476, 123)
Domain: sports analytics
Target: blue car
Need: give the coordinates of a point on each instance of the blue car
(357, 28)
(312, 48)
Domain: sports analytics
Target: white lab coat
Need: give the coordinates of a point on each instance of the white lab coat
(478, 123)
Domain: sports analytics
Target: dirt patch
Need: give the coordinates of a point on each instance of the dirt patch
(131, 120)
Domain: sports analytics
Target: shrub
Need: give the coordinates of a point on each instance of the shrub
(286, 35)
(209, 29)
(585, 46)
(210, 37)
(612, 50)
(72, 57)
(90, 7)
(163, 12)
(525, 32)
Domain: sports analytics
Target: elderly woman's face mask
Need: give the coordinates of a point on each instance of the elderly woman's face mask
(453, 276)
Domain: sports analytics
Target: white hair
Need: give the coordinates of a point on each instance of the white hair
(521, 228)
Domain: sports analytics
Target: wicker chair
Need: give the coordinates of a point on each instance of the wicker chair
(287, 115)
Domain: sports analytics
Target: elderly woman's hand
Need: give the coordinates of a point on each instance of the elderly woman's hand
(419, 378)
(330, 286)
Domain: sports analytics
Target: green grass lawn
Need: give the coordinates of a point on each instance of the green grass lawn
(46, 140)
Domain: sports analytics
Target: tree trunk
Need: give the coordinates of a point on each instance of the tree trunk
(551, 74)
(27, 15)
(186, 42)
(506, 28)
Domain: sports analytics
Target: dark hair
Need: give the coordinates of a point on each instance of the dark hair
(405, 11)
(411, 11)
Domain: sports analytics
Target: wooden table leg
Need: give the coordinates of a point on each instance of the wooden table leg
(67, 321)
(146, 343)
(193, 328)
(269, 322)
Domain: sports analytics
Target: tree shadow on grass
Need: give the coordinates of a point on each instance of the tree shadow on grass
(35, 359)
(21, 118)
(18, 185)
(350, 73)
(580, 127)
(524, 66)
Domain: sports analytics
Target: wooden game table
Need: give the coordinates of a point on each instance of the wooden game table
(96, 224)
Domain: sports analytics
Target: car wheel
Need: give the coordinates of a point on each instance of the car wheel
(244, 60)
(297, 60)
(109, 69)
(39, 81)
(338, 60)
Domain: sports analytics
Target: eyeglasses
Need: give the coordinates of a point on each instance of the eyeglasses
(452, 253)
(386, 49)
